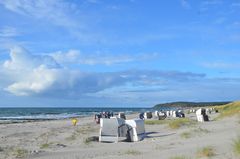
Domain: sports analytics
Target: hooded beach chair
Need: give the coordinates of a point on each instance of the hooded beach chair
(112, 130)
(201, 115)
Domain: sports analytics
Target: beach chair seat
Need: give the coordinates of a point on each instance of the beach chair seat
(112, 129)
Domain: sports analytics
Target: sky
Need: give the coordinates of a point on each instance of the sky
(118, 53)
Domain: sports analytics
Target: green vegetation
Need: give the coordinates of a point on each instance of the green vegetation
(229, 109)
(188, 104)
(174, 124)
(206, 152)
(236, 146)
(132, 152)
(20, 153)
(44, 146)
(155, 122)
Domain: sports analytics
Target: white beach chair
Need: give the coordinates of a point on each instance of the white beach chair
(156, 114)
(136, 129)
(174, 114)
(201, 115)
(112, 129)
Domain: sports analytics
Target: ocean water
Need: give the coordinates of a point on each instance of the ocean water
(29, 114)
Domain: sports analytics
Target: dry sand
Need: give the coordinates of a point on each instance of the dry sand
(60, 140)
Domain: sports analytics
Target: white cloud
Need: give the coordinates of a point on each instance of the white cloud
(37, 75)
(220, 65)
(7, 32)
(29, 75)
(75, 56)
(55, 11)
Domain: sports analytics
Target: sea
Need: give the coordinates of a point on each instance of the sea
(13, 115)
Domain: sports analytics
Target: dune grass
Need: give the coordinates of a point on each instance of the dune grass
(236, 146)
(155, 122)
(229, 109)
(206, 152)
(20, 153)
(174, 124)
(44, 146)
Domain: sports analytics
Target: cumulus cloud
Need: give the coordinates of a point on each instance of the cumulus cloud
(41, 75)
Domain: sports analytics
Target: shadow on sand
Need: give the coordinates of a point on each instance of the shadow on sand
(152, 134)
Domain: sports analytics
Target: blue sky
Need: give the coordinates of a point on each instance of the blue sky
(124, 53)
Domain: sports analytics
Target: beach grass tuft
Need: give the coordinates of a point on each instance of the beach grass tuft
(20, 153)
(207, 151)
(236, 146)
(155, 122)
(44, 146)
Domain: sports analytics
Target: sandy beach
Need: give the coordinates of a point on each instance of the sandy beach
(59, 139)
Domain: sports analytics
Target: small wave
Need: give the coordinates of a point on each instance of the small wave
(41, 117)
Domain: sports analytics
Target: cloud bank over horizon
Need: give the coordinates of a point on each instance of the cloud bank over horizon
(32, 75)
